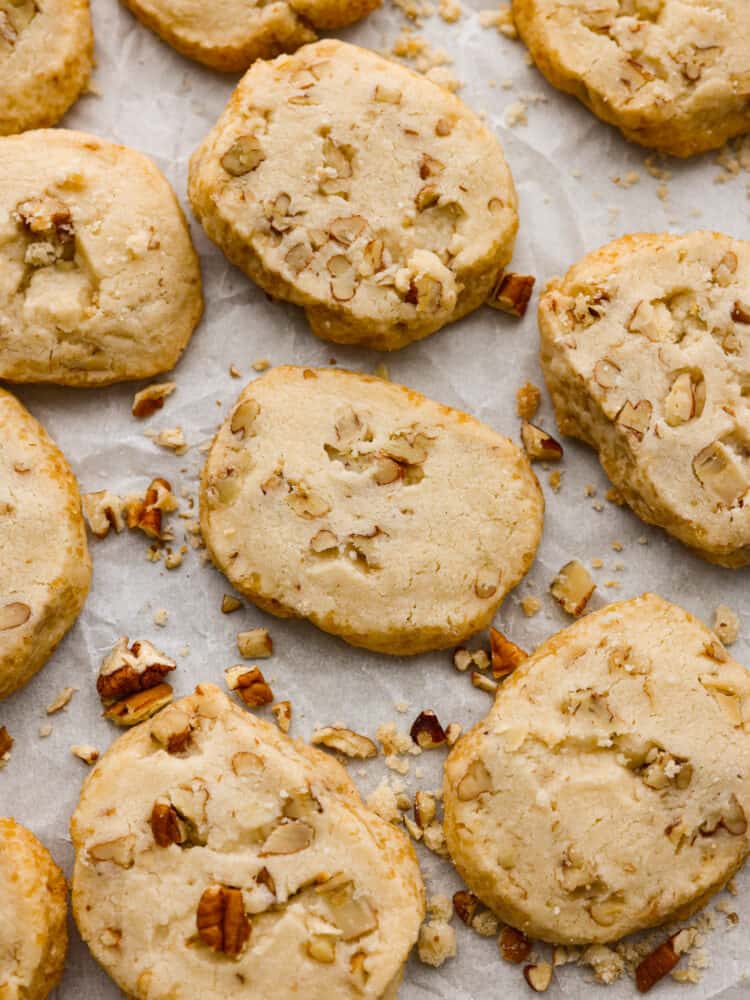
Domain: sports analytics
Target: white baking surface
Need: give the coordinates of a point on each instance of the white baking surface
(563, 161)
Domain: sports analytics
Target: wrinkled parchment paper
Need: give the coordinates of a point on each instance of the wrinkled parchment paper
(563, 161)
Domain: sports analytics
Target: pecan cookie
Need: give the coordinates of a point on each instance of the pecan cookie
(232, 34)
(99, 281)
(33, 912)
(215, 857)
(673, 75)
(381, 516)
(46, 55)
(358, 190)
(45, 568)
(646, 353)
(608, 789)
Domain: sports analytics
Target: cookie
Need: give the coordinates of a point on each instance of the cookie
(381, 516)
(646, 353)
(364, 193)
(45, 569)
(233, 35)
(33, 910)
(46, 56)
(216, 857)
(99, 281)
(608, 789)
(673, 75)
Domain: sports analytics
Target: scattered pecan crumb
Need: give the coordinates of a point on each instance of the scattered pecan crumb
(427, 732)
(572, 587)
(506, 655)
(514, 946)
(45, 730)
(464, 658)
(511, 293)
(528, 398)
(282, 712)
(61, 700)
(6, 745)
(484, 683)
(346, 741)
(538, 976)
(149, 400)
(171, 438)
(539, 445)
(230, 603)
(88, 754)
(234, 371)
(726, 624)
(255, 644)
(530, 605)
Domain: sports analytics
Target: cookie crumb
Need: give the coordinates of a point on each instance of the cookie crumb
(726, 624)
(160, 617)
(437, 943)
(528, 398)
(530, 605)
(88, 754)
(261, 365)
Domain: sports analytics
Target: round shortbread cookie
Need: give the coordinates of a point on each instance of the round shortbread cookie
(608, 789)
(381, 516)
(216, 857)
(33, 912)
(673, 75)
(361, 191)
(45, 569)
(229, 35)
(46, 56)
(646, 353)
(99, 281)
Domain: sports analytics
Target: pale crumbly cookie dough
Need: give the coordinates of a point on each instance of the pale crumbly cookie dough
(608, 789)
(46, 56)
(99, 281)
(381, 516)
(673, 75)
(33, 910)
(646, 353)
(229, 35)
(359, 190)
(45, 569)
(216, 857)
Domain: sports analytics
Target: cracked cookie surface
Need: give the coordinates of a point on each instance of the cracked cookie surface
(229, 35)
(381, 516)
(46, 55)
(357, 189)
(608, 789)
(673, 75)
(33, 911)
(45, 568)
(216, 857)
(99, 281)
(645, 347)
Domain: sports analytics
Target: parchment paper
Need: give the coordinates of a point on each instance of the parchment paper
(563, 161)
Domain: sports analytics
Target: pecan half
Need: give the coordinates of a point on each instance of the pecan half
(221, 920)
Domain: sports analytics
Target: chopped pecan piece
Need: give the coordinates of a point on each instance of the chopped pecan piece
(140, 706)
(506, 655)
(514, 946)
(539, 445)
(282, 712)
(255, 644)
(572, 587)
(149, 400)
(512, 293)
(129, 669)
(250, 685)
(346, 741)
(426, 731)
(538, 976)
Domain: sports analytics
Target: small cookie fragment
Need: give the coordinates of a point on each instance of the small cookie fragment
(528, 398)
(314, 229)
(726, 624)
(437, 943)
(85, 752)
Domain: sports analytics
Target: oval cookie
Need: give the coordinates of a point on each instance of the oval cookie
(33, 911)
(46, 55)
(385, 214)
(99, 281)
(216, 857)
(672, 75)
(608, 789)
(231, 35)
(45, 568)
(646, 353)
(383, 517)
